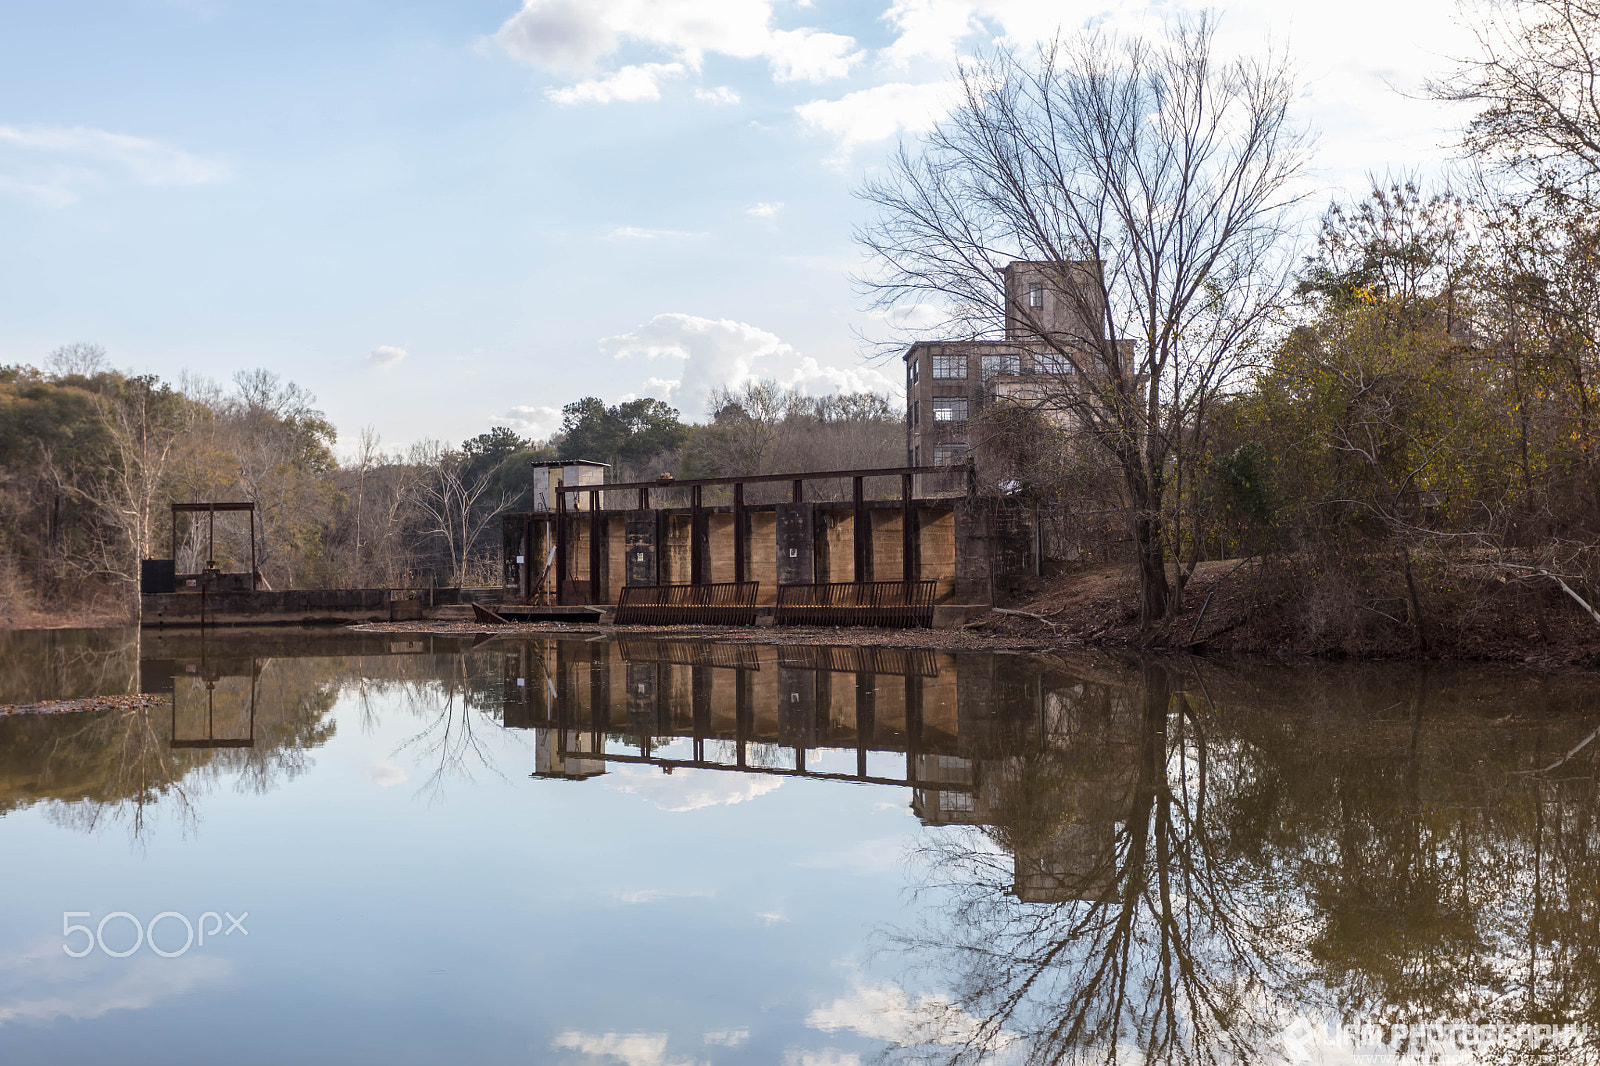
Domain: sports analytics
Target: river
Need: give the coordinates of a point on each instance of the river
(332, 846)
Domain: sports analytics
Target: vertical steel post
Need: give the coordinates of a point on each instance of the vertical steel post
(594, 547)
(858, 524)
(908, 568)
(738, 531)
(696, 517)
(561, 546)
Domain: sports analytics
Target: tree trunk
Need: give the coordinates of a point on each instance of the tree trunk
(1155, 591)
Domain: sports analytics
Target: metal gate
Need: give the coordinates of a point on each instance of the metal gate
(857, 603)
(728, 603)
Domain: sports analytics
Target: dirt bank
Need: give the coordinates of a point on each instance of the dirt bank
(1286, 608)
(1277, 608)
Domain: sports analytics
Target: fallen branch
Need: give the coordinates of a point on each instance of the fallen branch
(1564, 587)
(1212, 591)
(1027, 614)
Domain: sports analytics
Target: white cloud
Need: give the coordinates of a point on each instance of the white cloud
(879, 113)
(728, 1037)
(810, 55)
(826, 1057)
(721, 94)
(385, 356)
(886, 1012)
(811, 376)
(573, 36)
(530, 420)
(558, 34)
(641, 233)
(385, 774)
(929, 29)
(44, 985)
(631, 1049)
(54, 165)
(717, 352)
(772, 917)
(691, 790)
(764, 209)
(714, 351)
(630, 85)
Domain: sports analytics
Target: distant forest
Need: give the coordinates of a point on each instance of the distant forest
(91, 457)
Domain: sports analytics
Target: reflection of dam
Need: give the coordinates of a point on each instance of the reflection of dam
(970, 734)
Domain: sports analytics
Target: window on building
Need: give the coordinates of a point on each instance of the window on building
(949, 454)
(1036, 294)
(912, 366)
(950, 368)
(950, 409)
(1000, 364)
(916, 413)
(916, 456)
(956, 801)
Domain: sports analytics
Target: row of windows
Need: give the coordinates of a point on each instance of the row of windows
(954, 367)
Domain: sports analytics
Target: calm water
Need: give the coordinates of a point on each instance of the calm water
(421, 849)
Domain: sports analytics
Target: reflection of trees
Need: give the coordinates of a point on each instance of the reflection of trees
(1181, 877)
(457, 702)
(1154, 939)
(129, 774)
(119, 767)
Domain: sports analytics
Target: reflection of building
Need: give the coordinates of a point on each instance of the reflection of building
(978, 740)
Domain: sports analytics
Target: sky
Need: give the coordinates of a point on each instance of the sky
(442, 217)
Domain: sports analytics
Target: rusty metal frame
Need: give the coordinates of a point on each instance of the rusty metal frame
(210, 509)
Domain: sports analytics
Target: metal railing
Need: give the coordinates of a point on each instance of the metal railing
(725, 603)
(857, 603)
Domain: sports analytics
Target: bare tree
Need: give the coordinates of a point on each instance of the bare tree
(1539, 81)
(1151, 183)
(459, 508)
(80, 359)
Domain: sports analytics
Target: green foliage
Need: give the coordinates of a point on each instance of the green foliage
(630, 432)
(1240, 477)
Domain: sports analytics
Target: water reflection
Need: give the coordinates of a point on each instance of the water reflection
(1122, 861)
(1154, 863)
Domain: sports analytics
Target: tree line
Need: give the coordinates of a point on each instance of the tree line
(1407, 404)
(91, 457)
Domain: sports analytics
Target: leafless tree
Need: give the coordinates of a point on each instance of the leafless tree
(1153, 183)
(1538, 79)
(458, 508)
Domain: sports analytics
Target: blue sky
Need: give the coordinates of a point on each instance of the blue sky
(442, 217)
